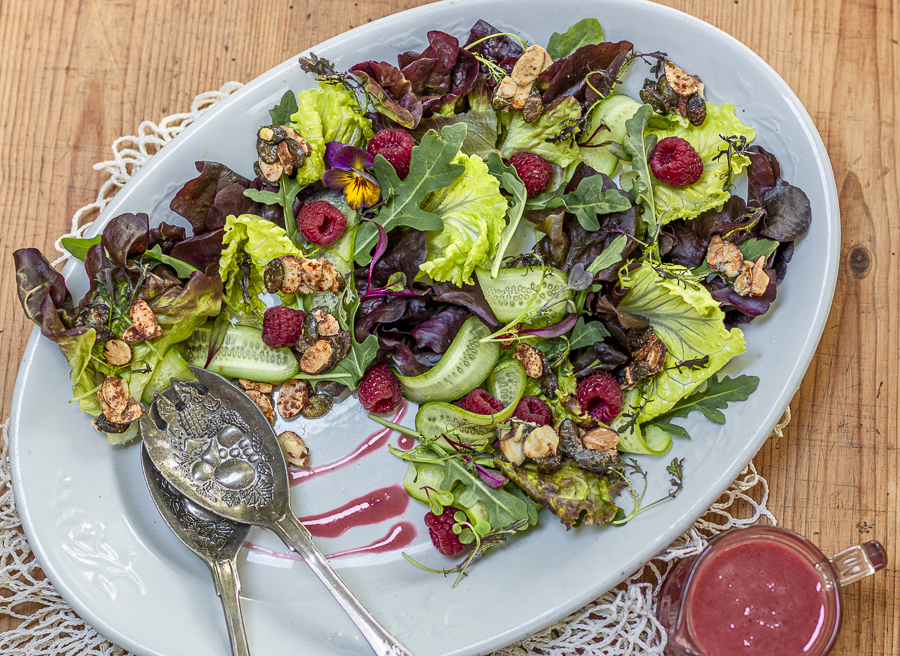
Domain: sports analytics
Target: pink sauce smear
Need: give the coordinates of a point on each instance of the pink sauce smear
(399, 536)
(756, 597)
(371, 444)
(371, 508)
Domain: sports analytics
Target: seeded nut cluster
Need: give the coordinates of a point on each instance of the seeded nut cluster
(517, 91)
(750, 278)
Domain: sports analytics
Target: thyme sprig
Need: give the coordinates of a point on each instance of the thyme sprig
(733, 145)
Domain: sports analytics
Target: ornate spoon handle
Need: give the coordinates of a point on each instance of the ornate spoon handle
(228, 586)
(295, 535)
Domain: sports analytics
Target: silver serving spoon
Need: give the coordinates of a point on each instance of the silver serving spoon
(214, 539)
(214, 445)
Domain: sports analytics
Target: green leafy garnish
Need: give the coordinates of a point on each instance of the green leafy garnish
(585, 32)
(710, 400)
(587, 334)
(281, 113)
(182, 269)
(637, 174)
(288, 188)
(78, 247)
(610, 255)
(511, 182)
(432, 167)
(589, 200)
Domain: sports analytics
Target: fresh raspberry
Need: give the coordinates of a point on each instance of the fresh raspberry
(321, 222)
(440, 528)
(534, 170)
(379, 391)
(600, 396)
(396, 147)
(532, 409)
(282, 326)
(480, 402)
(675, 162)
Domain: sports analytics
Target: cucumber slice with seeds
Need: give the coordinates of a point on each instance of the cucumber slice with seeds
(518, 294)
(243, 355)
(462, 368)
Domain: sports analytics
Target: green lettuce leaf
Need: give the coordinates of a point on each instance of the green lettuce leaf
(576, 496)
(329, 113)
(533, 137)
(583, 33)
(261, 241)
(691, 325)
(473, 212)
(711, 190)
(511, 182)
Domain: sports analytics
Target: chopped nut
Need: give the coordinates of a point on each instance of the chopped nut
(512, 441)
(541, 442)
(600, 439)
(533, 106)
(292, 396)
(648, 356)
(507, 88)
(143, 323)
(117, 352)
(529, 356)
(521, 96)
(759, 278)
(328, 326)
(682, 83)
(114, 393)
(263, 403)
(724, 257)
(297, 275)
(317, 358)
(291, 133)
(294, 448)
(742, 282)
(534, 61)
(271, 172)
(244, 384)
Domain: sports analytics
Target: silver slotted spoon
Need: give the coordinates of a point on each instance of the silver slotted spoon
(215, 540)
(214, 445)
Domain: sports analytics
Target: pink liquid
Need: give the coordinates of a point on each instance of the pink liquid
(756, 597)
(405, 442)
(371, 508)
(401, 535)
(371, 444)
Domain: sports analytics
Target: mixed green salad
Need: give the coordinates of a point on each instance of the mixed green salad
(554, 271)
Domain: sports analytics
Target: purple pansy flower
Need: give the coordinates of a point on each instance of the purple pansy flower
(346, 172)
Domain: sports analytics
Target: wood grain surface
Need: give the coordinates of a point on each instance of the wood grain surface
(76, 74)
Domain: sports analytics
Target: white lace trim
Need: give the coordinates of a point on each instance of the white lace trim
(622, 622)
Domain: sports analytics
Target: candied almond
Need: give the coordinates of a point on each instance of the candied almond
(263, 403)
(682, 83)
(534, 61)
(244, 384)
(144, 325)
(600, 439)
(117, 352)
(541, 442)
(759, 279)
(294, 448)
(529, 356)
(292, 396)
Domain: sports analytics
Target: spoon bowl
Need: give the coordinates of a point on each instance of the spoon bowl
(214, 539)
(215, 446)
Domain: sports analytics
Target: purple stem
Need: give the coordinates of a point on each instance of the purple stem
(561, 328)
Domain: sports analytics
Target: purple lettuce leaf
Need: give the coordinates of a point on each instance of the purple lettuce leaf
(497, 49)
(437, 333)
(194, 200)
(567, 75)
(442, 74)
(788, 213)
(166, 236)
(470, 297)
(390, 92)
(124, 236)
(202, 251)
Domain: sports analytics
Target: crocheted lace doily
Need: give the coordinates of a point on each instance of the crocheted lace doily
(622, 622)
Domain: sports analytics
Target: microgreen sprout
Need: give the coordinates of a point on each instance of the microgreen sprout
(676, 482)
(733, 145)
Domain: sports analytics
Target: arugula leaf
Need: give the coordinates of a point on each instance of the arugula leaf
(672, 429)
(281, 113)
(512, 183)
(750, 249)
(78, 248)
(714, 397)
(182, 269)
(288, 188)
(639, 148)
(589, 200)
(610, 255)
(587, 334)
(431, 168)
(585, 32)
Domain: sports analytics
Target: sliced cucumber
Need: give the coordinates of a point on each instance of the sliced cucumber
(611, 112)
(243, 355)
(420, 476)
(463, 367)
(518, 294)
(171, 366)
(506, 383)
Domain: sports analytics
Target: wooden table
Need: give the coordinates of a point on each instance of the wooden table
(74, 75)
